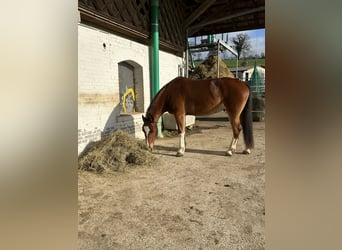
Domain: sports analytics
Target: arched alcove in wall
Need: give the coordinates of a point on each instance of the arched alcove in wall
(131, 87)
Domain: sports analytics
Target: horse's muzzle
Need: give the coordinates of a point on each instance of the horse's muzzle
(149, 148)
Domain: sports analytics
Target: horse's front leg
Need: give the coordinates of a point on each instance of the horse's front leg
(180, 120)
(181, 149)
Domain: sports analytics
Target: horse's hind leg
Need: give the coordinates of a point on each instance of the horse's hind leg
(180, 120)
(236, 127)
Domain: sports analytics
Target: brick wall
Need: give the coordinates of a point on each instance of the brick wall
(99, 53)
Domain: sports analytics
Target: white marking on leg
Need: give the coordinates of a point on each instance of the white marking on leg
(181, 140)
(181, 149)
(232, 146)
(235, 141)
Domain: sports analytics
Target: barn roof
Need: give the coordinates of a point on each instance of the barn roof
(177, 18)
(220, 16)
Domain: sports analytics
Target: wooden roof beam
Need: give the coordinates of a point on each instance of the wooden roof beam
(194, 28)
(199, 11)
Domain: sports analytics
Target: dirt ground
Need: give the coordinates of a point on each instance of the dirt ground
(204, 200)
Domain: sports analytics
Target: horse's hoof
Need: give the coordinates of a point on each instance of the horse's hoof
(247, 151)
(179, 154)
(229, 153)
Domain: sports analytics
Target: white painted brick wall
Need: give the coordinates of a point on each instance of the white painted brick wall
(168, 67)
(98, 82)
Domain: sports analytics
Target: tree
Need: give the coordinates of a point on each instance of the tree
(241, 44)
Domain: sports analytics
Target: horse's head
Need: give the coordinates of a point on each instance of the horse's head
(150, 130)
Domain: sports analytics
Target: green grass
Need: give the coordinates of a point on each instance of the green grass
(231, 63)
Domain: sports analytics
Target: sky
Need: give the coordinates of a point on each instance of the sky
(257, 40)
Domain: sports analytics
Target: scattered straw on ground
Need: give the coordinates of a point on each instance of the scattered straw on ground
(115, 152)
(208, 69)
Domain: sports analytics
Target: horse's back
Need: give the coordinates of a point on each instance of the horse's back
(212, 88)
(232, 87)
(196, 97)
(202, 97)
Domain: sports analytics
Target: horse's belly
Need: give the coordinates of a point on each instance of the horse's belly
(216, 109)
(199, 110)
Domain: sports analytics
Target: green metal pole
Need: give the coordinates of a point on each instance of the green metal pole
(155, 53)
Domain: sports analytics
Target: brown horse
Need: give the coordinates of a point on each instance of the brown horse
(184, 96)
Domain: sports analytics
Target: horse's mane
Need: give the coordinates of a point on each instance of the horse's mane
(157, 96)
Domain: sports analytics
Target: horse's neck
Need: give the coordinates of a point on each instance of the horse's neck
(156, 108)
(156, 111)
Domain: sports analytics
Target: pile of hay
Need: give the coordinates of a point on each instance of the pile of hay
(115, 152)
(208, 69)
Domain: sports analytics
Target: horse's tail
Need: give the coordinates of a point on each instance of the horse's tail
(247, 123)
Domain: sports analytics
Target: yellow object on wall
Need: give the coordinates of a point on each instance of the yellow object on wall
(124, 105)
